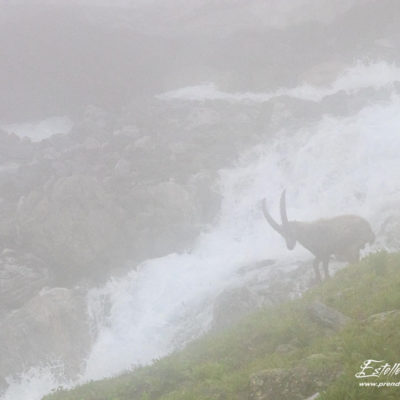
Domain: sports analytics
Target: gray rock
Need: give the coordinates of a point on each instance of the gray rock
(384, 316)
(73, 225)
(325, 73)
(232, 305)
(315, 396)
(285, 348)
(20, 279)
(327, 316)
(52, 326)
(298, 383)
(390, 230)
(91, 143)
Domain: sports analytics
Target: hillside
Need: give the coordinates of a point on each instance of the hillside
(311, 345)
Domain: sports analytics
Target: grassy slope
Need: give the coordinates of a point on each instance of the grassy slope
(218, 366)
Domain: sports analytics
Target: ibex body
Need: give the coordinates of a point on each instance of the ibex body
(343, 236)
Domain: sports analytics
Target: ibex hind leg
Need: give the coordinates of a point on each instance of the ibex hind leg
(325, 264)
(316, 270)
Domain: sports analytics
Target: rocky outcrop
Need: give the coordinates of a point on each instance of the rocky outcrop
(162, 216)
(327, 316)
(13, 148)
(377, 319)
(232, 305)
(305, 380)
(20, 279)
(74, 225)
(50, 327)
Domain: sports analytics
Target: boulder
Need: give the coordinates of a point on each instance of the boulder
(315, 396)
(20, 279)
(323, 74)
(95, 123)
(173, 200)
(232, 305)
(74, 225)
(311, 376)
(327, 316)
(377, 319)
(52, 326)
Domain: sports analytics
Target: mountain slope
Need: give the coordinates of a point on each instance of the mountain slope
(311, 345)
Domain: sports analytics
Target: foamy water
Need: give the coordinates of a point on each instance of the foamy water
(353, 79)
(336, 166)
(39, 130)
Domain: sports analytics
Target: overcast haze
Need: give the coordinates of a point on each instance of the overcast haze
(137, 140)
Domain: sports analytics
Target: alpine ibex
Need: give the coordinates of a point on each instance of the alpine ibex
(343, 236)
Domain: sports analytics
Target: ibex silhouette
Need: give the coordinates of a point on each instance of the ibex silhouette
(342, 236)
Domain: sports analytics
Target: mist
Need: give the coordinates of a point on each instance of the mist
(137, 142)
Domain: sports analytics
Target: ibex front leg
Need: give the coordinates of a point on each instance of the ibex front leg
(325, 264)
(316, 269)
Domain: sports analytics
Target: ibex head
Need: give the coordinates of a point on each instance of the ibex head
(285, 228)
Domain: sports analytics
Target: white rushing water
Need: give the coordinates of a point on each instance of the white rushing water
(360, 76)
(39, 130)
(338, 165)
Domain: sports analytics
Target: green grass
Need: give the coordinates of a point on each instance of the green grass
(219, 366)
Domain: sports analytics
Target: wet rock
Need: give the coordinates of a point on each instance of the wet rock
(74, 225)
(52, 326)
(172, 203)
(20, 279)
(274, 282)
(327, 316)
(323, 74)
(390, 230)
(95, 123)
(13, 148)
(91, 144)
(232, 305)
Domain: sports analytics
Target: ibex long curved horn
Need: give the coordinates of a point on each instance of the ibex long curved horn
(270, 220)
(284, 217)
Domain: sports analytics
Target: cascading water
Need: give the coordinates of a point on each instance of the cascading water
(337, 165)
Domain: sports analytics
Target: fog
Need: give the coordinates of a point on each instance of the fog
(137, 141)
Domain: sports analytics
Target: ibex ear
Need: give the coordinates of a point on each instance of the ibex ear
(270, 220)
(284, 217)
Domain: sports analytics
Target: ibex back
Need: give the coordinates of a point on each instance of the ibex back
(343, 236)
